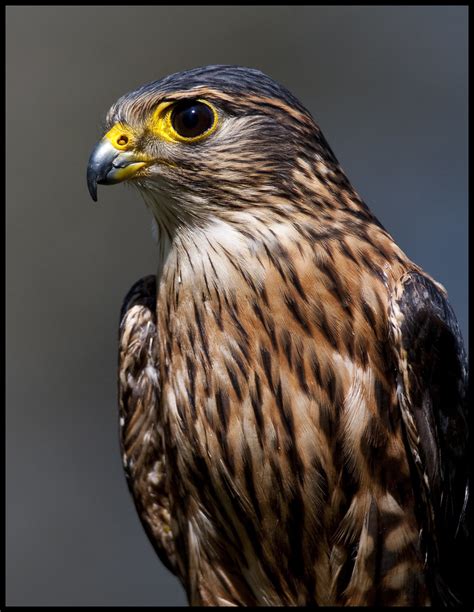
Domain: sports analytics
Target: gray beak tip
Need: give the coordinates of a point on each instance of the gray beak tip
(108, 166)
(100, 162)
(92, 186)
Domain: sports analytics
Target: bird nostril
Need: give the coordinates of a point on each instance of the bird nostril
(122, 140)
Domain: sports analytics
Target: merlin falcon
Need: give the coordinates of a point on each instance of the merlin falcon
(292, 387)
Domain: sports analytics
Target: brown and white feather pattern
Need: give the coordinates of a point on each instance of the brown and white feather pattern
(300, 390)
(269, 419)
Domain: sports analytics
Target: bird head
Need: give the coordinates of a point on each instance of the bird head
(208, 141)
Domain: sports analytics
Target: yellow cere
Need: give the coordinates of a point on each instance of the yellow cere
(161, 125)
(122, 174)
(120, 136)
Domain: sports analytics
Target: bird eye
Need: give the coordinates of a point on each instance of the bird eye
(192, 119)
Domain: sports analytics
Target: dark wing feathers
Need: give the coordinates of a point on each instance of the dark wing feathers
(139, 392)
(432, 384)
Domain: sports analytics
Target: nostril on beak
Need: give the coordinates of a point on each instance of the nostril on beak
(122, 140)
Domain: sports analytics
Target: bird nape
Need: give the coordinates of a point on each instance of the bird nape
(292, 387)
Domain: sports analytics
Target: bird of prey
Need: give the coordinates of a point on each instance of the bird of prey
(292, 387)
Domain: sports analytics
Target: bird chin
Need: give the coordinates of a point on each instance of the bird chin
(159, 198)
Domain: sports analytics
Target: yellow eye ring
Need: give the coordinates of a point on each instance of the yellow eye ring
(162, 121)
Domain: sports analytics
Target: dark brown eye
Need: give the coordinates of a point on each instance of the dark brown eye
(191, 119)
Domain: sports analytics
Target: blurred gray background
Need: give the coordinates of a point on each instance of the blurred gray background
(387, 85)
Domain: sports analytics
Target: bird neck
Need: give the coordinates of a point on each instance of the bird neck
(204, 238)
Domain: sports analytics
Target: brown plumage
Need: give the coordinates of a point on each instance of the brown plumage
(292, 386)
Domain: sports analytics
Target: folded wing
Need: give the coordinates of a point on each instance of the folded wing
(141, 437)
(432, 383)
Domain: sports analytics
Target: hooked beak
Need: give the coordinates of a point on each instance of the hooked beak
(108, 166)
